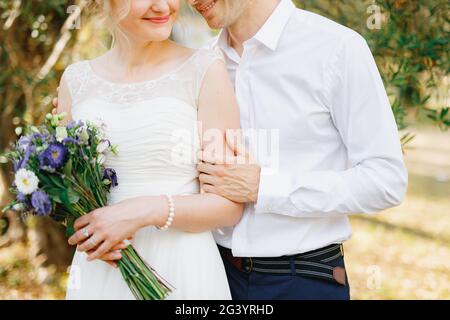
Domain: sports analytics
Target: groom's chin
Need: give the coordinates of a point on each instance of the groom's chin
(215, 23)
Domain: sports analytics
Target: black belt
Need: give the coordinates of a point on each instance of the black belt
(315, 264)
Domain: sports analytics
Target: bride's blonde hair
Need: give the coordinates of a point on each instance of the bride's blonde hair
(112, 12)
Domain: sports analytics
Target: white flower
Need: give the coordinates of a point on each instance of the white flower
(103, 146)
(61, 133)
(26, 181)
(101, 159)
(18, 131)
(18, 207)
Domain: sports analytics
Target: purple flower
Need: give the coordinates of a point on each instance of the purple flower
(54, 157)
(74, 124)
(21, 197)
(110, 174)
(24, 161)
(70, 140)
(24, 200)
(23, 143)
(41, 203)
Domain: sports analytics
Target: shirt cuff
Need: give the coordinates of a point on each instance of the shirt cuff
(273, 191)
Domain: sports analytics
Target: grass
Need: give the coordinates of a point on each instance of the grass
(401, 253)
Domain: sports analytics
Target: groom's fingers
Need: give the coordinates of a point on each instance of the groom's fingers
(211, 189)
(206, 168)
(207, 179)
(211, 158)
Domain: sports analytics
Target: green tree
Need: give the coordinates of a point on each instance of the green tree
(33, 36)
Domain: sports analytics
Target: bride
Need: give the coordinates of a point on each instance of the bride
(159, 101)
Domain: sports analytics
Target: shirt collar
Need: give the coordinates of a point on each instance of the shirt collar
(270, 33)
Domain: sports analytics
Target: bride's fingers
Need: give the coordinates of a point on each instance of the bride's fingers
(120, 246)
(90, 244)
(82, 221)
(111, 256)
(101, 250)
(79, 236)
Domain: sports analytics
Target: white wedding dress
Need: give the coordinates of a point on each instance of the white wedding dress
(154, 125)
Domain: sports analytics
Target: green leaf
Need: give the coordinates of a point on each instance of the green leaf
(70, 230)
(73, 196)
(68, 168)
(66, 201)
(57, 181)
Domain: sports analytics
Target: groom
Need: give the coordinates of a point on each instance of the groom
(314, 86)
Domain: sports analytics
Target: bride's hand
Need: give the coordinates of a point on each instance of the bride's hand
(105, 227)
(113, 255)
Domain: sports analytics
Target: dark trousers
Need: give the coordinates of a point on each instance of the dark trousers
(259, 286)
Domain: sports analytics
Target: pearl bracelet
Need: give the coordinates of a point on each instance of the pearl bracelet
(171, 213)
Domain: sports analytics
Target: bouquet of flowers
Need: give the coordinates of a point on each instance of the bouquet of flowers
(59, 172)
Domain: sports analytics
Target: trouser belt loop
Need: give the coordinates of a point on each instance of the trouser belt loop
(293, 267)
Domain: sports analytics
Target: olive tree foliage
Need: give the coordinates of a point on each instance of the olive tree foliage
(34, 36)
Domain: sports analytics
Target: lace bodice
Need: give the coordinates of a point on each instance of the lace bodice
(187, 78)
(153, 123)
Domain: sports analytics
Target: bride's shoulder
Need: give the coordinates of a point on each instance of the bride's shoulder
(210, 54)
(75, 69)
(203, 54)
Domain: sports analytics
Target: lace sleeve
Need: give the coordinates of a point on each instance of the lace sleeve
(203, 63)
(75, 76)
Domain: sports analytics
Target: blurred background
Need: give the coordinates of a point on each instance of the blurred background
(402, 253)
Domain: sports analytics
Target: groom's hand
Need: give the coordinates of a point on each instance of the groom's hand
(236, 180)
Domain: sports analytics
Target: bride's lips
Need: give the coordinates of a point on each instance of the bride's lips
(158, 20)
(206, 7)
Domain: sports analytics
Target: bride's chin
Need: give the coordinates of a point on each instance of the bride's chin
(158, 36)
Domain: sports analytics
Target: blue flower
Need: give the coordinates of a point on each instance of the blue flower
(70, 140)
(23, 143)
(74, 124)
(41, 203)
(21, 197)
(54, 157)
(24, 161)
(110, 174)
(24, 200)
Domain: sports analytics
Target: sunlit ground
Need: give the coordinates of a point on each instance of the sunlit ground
(403, 253)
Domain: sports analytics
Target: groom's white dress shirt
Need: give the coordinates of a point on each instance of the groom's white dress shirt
(314, 85)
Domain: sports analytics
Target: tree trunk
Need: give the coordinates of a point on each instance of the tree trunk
(48, 244)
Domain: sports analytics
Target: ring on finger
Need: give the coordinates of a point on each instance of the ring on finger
(85, 233)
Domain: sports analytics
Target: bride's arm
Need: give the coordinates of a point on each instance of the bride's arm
(218, 111)
(64, 104)
(64, 101)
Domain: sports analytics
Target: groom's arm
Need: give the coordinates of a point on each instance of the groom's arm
(377, 177)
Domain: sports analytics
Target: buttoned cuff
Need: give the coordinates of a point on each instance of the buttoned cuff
(273, 191)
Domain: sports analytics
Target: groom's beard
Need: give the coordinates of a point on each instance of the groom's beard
(221, 13)
(204, 7)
